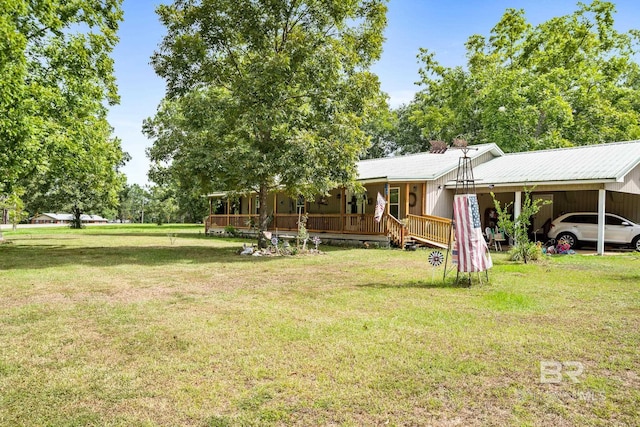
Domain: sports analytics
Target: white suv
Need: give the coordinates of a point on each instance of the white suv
(583, 227)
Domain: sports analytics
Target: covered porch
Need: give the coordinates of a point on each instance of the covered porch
(347, 214)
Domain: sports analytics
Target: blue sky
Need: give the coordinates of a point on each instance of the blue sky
(442, 26)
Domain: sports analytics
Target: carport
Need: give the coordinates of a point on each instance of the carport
(601, 178)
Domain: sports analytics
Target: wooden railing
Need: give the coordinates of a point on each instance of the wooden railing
(396, 230)
(237, 221)
(363, 224)
(430, 228)
(328, 223)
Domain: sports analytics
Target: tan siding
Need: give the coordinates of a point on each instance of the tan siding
(631, 183)
(574, 201)
(327, 204)
(372, 194)
(416, 189)
(624, 204)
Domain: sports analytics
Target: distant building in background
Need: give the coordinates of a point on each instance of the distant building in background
(64, 218)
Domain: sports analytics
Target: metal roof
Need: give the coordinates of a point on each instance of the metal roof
(421, 166)
(591, 163)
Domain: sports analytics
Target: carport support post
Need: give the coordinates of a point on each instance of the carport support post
(517, 206)
(601, 221)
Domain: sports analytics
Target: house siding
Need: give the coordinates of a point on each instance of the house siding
(439, 202)
(630, 185)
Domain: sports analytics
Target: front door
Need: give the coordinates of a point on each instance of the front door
(394, 202)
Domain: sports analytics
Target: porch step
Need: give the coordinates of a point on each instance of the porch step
(429, 242)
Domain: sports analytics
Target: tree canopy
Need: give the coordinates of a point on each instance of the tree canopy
(394, 132)
(57, 81)
(571, 80)
(265, 94)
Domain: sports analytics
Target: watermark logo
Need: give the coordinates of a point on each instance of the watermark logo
(553, 372)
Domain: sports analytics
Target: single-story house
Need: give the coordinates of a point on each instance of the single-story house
(64, 218)
(419, 190)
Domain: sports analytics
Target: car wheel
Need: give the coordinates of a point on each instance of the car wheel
(636, 243)
(570, 238)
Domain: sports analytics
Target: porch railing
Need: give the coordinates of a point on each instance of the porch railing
(433, 229)
(328, 223)
(236, 221)
(428, 229)
(396, 230)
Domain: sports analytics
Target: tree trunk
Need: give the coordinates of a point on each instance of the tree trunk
(76, 222)
(263, 219)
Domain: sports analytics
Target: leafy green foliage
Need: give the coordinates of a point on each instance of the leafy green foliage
(162, 206)
(57, 80)
(14, 206)
(518, 228)
(131, 204)
(571, 80)
(394, 131)
(265, 94)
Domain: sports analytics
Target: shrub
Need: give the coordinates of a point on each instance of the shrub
(231, 230)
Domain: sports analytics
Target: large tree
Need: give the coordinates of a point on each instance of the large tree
(266, 94)
(571, 80)
(57, 81)
(394, 132)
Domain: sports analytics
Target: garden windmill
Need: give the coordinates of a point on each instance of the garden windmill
(469, 251)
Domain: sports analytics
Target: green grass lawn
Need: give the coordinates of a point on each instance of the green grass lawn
(133, 326)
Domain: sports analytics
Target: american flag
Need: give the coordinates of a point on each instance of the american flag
(380, 204)
(473, 253)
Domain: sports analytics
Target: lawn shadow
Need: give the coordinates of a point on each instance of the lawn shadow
(437, 283)
(51, 256)
(188, 235)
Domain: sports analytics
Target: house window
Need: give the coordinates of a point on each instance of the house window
(300, 204)
(394, 202)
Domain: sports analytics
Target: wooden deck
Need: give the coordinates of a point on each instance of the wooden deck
(429, 230)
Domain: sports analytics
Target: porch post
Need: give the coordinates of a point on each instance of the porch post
(406, 200)
(250, 205)
(517, 208)
(343, 209)
(386, 197)
(208, 221)
(275, 210)
(601, 220)
(228, 211)
(423, 200)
